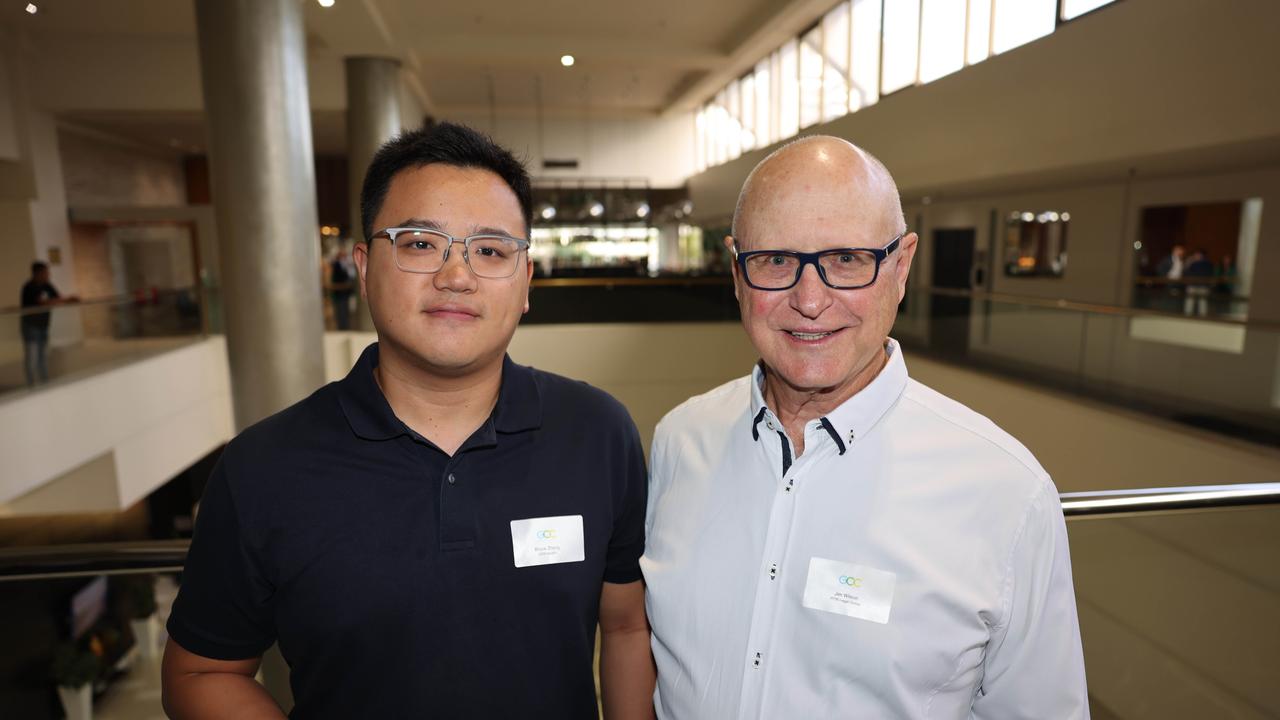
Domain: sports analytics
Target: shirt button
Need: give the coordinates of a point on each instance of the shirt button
(452, 479)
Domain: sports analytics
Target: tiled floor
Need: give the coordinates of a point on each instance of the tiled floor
(137, 695)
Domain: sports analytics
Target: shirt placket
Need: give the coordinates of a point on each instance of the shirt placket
(768, 596)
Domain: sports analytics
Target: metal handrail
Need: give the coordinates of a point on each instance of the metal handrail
(141, 297)
(67, 561)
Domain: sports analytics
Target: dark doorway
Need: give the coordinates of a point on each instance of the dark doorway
(952, 270)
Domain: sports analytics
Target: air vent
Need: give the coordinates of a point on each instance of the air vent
(550, 164)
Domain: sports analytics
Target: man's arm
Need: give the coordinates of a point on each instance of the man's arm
(196, 687)
(1034, 666)
(626, 662)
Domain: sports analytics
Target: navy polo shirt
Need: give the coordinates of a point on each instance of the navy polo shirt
(385, 568)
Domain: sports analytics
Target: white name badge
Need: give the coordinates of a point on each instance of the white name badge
(846, 589)
(547, 541)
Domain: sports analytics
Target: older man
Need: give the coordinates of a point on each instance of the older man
(826, 537)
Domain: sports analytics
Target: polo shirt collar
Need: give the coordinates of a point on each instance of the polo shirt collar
(519, 404)
(854, 417)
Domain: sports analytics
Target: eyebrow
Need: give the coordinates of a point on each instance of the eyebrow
(429, 224)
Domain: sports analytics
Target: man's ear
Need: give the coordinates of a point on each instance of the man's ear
(906, 254)
(360, 254)
(733, 265)
(528, 286)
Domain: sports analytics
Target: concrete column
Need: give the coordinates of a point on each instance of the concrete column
(373, 117)
(254, 71)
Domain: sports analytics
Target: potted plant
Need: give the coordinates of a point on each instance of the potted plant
(74, 670)
(140, 603)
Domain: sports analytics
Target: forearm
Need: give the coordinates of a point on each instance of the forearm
(627, 675)
(196, 696)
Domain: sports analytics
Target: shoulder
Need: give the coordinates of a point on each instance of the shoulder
(974, 434)
(561, 396)
(296, 430)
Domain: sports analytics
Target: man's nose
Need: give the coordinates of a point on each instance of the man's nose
(455, 275)
(810, 296)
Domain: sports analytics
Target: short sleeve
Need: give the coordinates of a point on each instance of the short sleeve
(626, 544)
(224, 607)
(1034, 666)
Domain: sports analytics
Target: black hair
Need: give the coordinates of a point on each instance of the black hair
(447, 144)
(37, 267)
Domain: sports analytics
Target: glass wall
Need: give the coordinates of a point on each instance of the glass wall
(859, 51)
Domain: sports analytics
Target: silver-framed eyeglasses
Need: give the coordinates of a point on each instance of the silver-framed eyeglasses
(839, 268)
(423, 250)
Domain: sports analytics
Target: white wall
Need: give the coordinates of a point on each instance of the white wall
(154, 417)
(657, 149)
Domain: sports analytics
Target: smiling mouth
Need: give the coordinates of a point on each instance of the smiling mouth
(811, 336)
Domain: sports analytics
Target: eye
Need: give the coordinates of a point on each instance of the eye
(778, 259)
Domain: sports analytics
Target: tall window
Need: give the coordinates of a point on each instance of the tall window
(1076, 8)
(979, 23)
(942, 36)
(765, 133)
(811, 77)
(835, 73)
(865, 89)
(1018, 22)
(901, 44)
(733, 123)
(747, 96)
(788, 90)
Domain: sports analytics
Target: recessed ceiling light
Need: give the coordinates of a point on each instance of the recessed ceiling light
(325, 3)
(566, 60)
(32, 9)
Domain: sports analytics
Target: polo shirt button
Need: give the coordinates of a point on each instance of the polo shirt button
(452, 479)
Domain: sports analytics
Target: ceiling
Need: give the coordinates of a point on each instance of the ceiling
(482, 56)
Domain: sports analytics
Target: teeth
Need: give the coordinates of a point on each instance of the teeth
(810, 336)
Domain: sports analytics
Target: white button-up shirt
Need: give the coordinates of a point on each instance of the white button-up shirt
(912, 563)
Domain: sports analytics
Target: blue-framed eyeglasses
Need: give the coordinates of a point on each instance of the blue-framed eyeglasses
(839, 268)
(423, 250)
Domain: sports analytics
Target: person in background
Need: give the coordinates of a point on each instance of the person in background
(341, 283)
(1198, 276)
(38, 292)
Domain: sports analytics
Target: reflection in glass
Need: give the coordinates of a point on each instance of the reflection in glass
(1036, 244)
(1197, 259)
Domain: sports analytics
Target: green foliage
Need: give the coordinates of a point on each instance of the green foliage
(74, 666)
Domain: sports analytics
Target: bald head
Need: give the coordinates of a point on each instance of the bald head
(818, 177)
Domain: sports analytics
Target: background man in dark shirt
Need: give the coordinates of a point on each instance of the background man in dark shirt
(38, 292)
(438, 534)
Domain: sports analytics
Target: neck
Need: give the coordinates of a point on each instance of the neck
(445, 409)
(796, 407)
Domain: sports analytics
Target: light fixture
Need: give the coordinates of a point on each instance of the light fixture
(325, 3)
(595, 209)
(687, 207)
(1028, 217)
(1137, 244)
(547, 211)
(566, 60)
(1066, 217)
(32, 9)
(642, 210)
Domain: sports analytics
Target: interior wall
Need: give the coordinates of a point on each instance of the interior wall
(648, 147)
(105, 173)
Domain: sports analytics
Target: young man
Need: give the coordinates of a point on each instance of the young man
(38, 292)
(828, 538)
(438, 534)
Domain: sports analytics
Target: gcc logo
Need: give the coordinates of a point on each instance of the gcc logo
(546, 534)
(850, 580)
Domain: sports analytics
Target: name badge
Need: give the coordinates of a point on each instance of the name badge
(547, 541)
(846, 589)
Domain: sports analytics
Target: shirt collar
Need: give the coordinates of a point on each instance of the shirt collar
(854, 417)
(519, 405)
